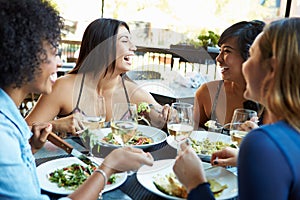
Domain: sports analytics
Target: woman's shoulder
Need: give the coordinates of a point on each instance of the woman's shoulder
(213, 83)
(65, 81)
(208, 87)
(63, 85)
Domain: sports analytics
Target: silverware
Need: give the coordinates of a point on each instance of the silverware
(59, 142)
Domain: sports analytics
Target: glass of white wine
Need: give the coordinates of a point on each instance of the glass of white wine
(237, 127)
(91, 119)
(124, 122)
(180, 122)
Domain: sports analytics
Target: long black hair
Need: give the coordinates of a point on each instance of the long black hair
(98, 46)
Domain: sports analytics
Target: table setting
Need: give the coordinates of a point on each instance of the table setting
(132, 185)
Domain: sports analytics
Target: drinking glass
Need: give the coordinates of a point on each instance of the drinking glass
(180, 122)
(241, 115)
(91, 119)
(124, 122)
(236, 128)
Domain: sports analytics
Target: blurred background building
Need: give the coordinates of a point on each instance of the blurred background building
(160, 23)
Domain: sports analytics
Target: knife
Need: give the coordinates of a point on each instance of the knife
(59, 142)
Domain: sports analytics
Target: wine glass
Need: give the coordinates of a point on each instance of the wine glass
(240, 115)
(124, 122)
(180, 122)
(237, 128)
(91, 119)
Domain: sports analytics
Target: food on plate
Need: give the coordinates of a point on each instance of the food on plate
(72, 176)
(170, 185)
(216, 187)
(212, 124)
(143, 113)
(207, 147)
(138, 139)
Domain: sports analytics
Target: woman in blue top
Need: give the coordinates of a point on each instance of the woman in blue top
(29, 34)
(268, 161)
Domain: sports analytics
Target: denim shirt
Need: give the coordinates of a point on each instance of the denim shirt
(18, 178)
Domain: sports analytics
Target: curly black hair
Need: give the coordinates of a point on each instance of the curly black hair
(245, 32)
(24, 25)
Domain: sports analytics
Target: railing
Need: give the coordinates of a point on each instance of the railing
(68, 50)
(181, 58)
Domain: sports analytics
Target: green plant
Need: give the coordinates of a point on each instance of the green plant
(209, 40)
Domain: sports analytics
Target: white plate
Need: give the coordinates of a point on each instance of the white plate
(158, 136)
(46, 168)
(200, 136)
(161, 167)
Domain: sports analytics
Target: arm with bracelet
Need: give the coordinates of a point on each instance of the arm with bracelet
(119, 160)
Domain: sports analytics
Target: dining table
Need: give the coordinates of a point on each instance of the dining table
(131, 189)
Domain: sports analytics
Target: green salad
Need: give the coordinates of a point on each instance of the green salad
(71, 177)
(138, 139)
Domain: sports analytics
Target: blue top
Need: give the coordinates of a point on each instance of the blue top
(268, 165)
(18, 178)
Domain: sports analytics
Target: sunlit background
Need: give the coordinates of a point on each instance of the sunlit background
(153, 21)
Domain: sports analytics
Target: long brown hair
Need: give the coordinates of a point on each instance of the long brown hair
(281, 41)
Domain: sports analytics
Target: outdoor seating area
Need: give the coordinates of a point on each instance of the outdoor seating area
(179, 100)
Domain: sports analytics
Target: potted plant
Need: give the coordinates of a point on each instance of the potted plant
(208, 40)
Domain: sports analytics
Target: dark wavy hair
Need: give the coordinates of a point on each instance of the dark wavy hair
(245, 32)
(24, 26)
(98, 46)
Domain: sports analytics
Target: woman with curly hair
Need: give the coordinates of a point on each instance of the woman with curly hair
(29, 34)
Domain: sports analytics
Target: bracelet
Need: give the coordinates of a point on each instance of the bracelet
(103, 174)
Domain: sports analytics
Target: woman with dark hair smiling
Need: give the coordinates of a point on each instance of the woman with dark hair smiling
(105, 56)
(216, 100)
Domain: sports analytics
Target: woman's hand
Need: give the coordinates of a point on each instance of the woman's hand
(188, 168)
(159, 115)
(249, 125)
(125, 159)
(165, 111)
(225, 157)
(40, 133)
(69, 124)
